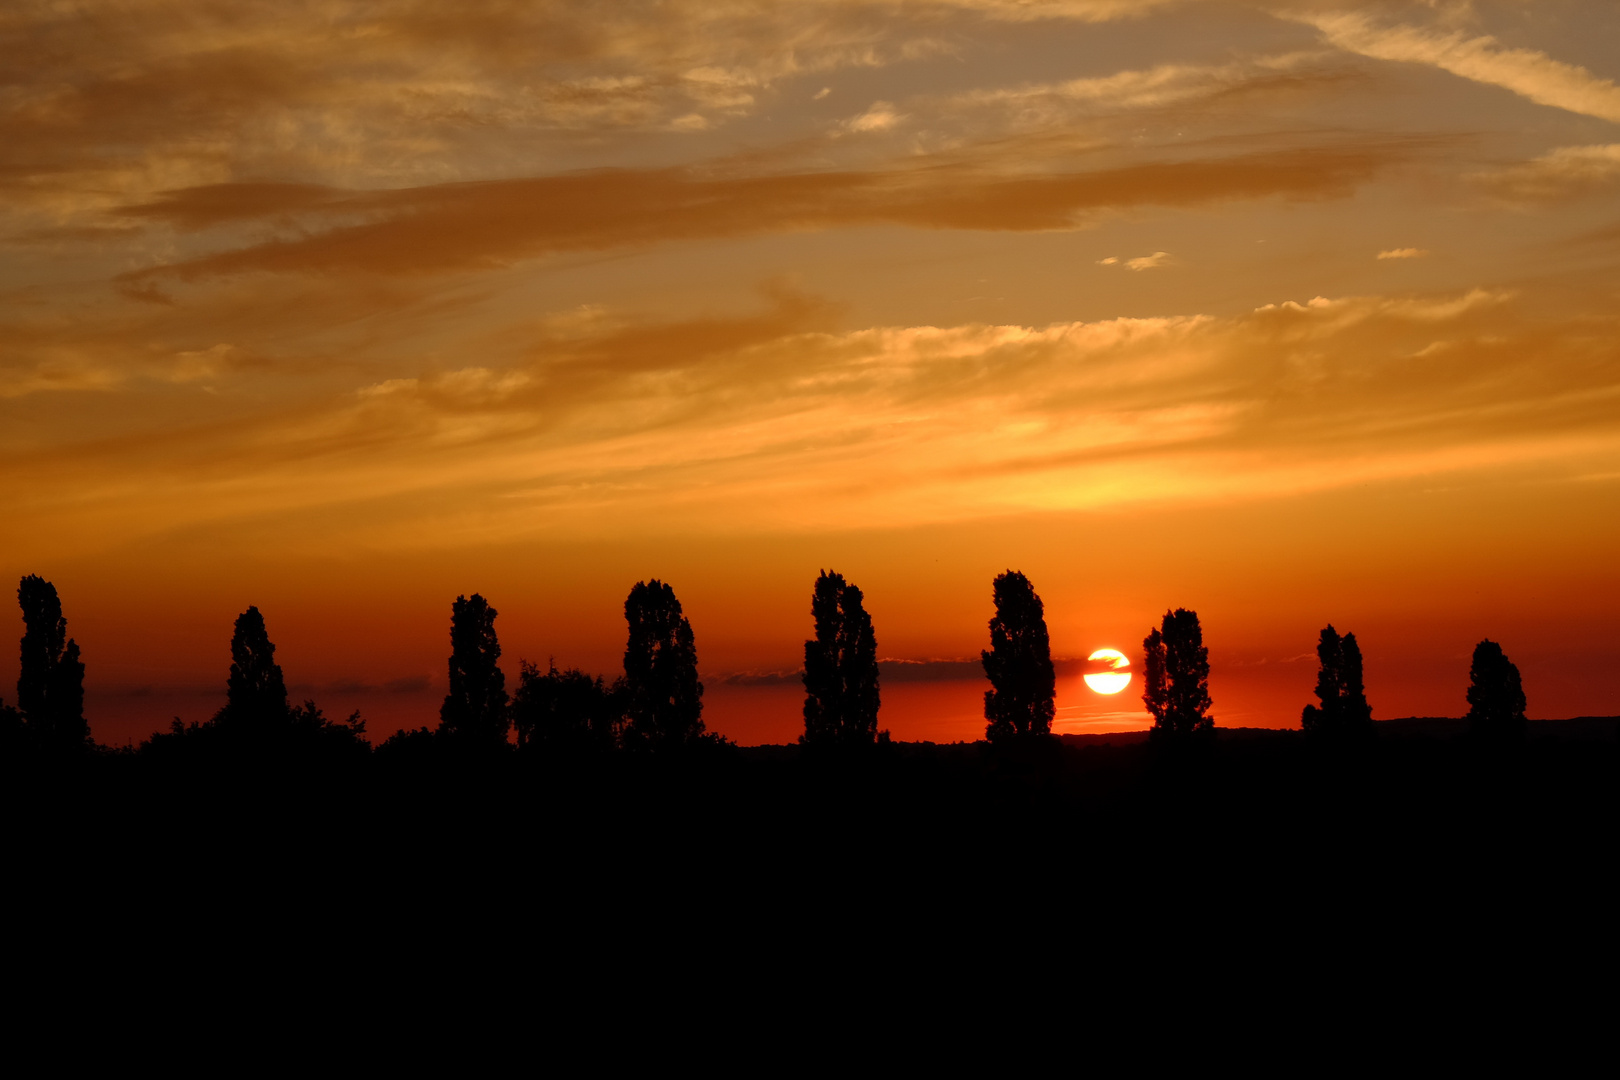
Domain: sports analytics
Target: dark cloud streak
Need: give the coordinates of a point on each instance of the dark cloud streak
(453, 227)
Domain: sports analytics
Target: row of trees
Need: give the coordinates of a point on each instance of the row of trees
(657, 703)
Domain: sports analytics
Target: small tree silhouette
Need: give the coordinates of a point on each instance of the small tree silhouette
(841, 697)
(566, 712)
(663, 697)
(1343, 712)
(50, 680)
(1496, 701)
(1018, 663)
(255, 693)
(474, 711)
(1176, 676)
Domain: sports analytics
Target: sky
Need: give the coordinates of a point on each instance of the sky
(1290, 313)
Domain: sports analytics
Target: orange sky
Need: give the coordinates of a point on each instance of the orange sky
(1288, 312)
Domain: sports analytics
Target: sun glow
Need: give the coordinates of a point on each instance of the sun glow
(1111, 679)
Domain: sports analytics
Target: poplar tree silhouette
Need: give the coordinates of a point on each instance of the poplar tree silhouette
(1176, 678)
(12, 731)
(1018, 663)
(567, 712)
(841, 697)
(663, 697)
(50, 680)
(255, 693)
(1343, 711)
(1496, 701)
(474, 712)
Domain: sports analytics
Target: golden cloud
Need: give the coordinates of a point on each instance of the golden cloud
(763, 424)
(1530, 73)
(1564, 172)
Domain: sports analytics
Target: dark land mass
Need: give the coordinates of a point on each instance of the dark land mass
(1420, 826)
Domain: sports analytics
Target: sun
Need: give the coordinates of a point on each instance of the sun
(1111, 677)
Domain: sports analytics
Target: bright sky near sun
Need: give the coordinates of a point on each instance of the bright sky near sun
(1289, 312)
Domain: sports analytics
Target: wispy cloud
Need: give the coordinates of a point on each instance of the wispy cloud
(1148, 262)
(1141, 262)
(1039, 104)
(1528, 72)
(1402, 253)
(765, 424)
(879, 117)
(1565, 172)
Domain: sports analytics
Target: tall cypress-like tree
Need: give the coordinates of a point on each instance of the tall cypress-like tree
(1343, 711)
(1496, 700)
(841, 697)
(255, 693)
(50, 680)
(474, 713)
(1353, 693)
(1018, 663)
(1176, 669)
(1155, 687)
(663, 697)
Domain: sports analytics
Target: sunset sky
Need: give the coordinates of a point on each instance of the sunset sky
(1287, 312)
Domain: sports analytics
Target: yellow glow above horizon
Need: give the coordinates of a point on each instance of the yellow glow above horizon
(1112, 680)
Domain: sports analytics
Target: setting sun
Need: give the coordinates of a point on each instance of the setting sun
(1111, 677)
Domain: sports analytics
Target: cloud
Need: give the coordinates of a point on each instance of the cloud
(1565, 172)
(458, 227)
(1044, 104)
(211, 205)
(880, 117)
(1095, 11)
(1402, 253)
(1148, 262)
(1143, 262)
(769, 422)
(1527, 72)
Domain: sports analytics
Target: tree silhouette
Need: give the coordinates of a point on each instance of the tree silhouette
(257, 728)
(1018, 663)
(841, 695)
(50, 681)
(474, 711)
(12, 731)
(1176, 677)
(1496, 699)
(255, 693)
(663, 697)
(565, 711)
(1343, 711)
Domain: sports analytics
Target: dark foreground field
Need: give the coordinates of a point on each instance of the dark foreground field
(1080, 828)
(1417, 876)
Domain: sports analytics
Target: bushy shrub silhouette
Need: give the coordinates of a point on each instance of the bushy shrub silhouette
(1018, 663)
(566, 712)
(841, 696)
